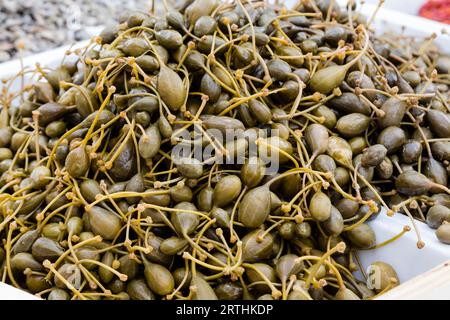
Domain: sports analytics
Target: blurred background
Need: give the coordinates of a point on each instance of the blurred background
(33, 26)
(39, 25)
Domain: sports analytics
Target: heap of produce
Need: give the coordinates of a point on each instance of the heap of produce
(333, 126)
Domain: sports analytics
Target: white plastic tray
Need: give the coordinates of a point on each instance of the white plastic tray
(403, 254)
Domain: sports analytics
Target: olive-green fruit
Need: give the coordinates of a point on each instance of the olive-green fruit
(395, 110)
(203, 291)
(205, 199)
(328, 116)
(279, 69)
(255, 207)
(228, 291)
(352, 125)
(71, 274)
(320, 206)
(90, 189)
(200, 8)
(58, 294)
(287, 230)
(169, 39)
(171, 88)
(316, 136)
(210, 88)
(156, 254)
(88, 253)
(349, 103)
(46, 249)
(222, 123)
(150, 142)
(157, 197)
(254, 276)
(5, 137)
(439, 123)
(227, 190)
(327, 79)
(172, 245)
(77, 162)
(135, 184)
(106, 275)
(346, 294)
(288, 265)
(334, 225)
(181, 193)
(190, 168)
(299, 292)
(24, 260)
(411, 151)
(362, 236)
(441, 150)
(222, 217)
(303, 230)
(147, 63)
(385, 169)
(134, 47)
(54, 231)
(74, 225)
(50, 112)
(30, 204)
(309, 46)
(340, 150)
(442, 199)
(253, 171)
(180, 277)
(358, 144)
(324, 163)
(125, 166)
(26, 240)
(159, 279)
(204, 25)
(185, 222)
(412, 77)
(373, 155)
(128, 266)
(138, 290)
(357, 79)
(393, 138)
(335, 34)
(348, 208)
(443, 233)
(104, 223)
(117, 285)
(260, 111)
(382, 276)
(99, 118)
(436, 215)
(436, 172)
(17, 139)
(269, 148)
(413, 183)
(257, 246)
(55, 129)
(293, 54)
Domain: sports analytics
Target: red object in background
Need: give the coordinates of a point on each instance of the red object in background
(438, 10)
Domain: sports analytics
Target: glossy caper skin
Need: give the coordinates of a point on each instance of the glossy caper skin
(227, 190)
(384, 274)
(362, 236)
(443, 233)
(436, 215)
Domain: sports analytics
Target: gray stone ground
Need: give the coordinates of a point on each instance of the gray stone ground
(40, 25)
